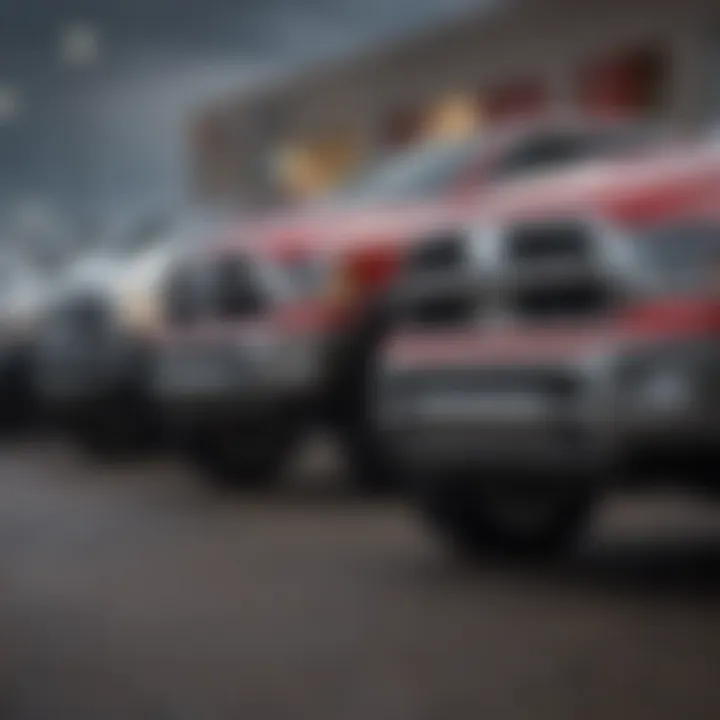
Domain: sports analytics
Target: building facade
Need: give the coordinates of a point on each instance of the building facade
(636, 58)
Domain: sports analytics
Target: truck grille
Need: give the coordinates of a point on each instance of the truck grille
(561, 386)
(440, 252)
(85, 320)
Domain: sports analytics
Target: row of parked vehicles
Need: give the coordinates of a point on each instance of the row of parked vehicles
(502, 328)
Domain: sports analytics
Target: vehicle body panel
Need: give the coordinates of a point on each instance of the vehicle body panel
(365, 245)
(551, 397)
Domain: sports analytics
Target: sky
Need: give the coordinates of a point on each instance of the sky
(95, 94)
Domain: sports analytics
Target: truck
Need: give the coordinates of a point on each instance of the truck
(25, 291)
(271, 328)
(90, 362)
(572, 349)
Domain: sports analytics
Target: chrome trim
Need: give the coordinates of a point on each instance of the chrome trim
(599, 413)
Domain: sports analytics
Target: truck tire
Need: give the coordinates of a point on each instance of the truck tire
(230, 460)
(479, 522)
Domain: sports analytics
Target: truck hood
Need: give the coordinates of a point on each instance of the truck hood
(336, 228)
(562, 344)
(106, 272)
(95, 271)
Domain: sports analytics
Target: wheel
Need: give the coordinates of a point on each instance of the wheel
(234, 460)
(511, 520)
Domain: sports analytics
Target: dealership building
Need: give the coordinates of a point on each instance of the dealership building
(647, 59)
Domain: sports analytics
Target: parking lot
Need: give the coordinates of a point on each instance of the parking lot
(133, 591)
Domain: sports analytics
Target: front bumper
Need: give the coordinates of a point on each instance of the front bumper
(81, 374)
(592, 433)
(199, 385)
(557, 445)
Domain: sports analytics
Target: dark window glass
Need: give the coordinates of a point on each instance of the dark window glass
(539, 154)
(568, 300)
(420, 174)
(554, 150)
(235, 287)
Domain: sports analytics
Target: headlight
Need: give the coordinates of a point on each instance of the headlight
(140, 311)
(666, 389)
(660, 383)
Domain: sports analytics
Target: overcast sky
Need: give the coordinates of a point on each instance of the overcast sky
(94, 93)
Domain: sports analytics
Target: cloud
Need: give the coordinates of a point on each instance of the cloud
(10, 104)
(80, 43)
(117, 129)
(139, 120)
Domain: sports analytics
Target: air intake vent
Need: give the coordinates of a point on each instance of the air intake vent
(438, 253)
(555, 271)
(551, 242)
(568, 300)
(226, 288)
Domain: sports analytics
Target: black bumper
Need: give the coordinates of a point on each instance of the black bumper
(245, 411)
(82, 379)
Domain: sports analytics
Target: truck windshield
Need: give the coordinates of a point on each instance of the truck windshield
(434, 167)
(236, 286)
(410, 176)
(553, 149)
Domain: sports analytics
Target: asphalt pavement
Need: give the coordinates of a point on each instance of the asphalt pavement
(133, 591)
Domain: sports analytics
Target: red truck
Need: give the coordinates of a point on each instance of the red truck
(275, 326)
(580, 352)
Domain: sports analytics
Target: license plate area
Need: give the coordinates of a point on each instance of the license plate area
(500, 446)
(494, 409)
(198, 372)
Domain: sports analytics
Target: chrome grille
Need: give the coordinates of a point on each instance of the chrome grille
(563, 386)
(441, 252)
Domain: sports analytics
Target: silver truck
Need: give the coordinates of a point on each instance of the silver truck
(553, 359)
(92, 358)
